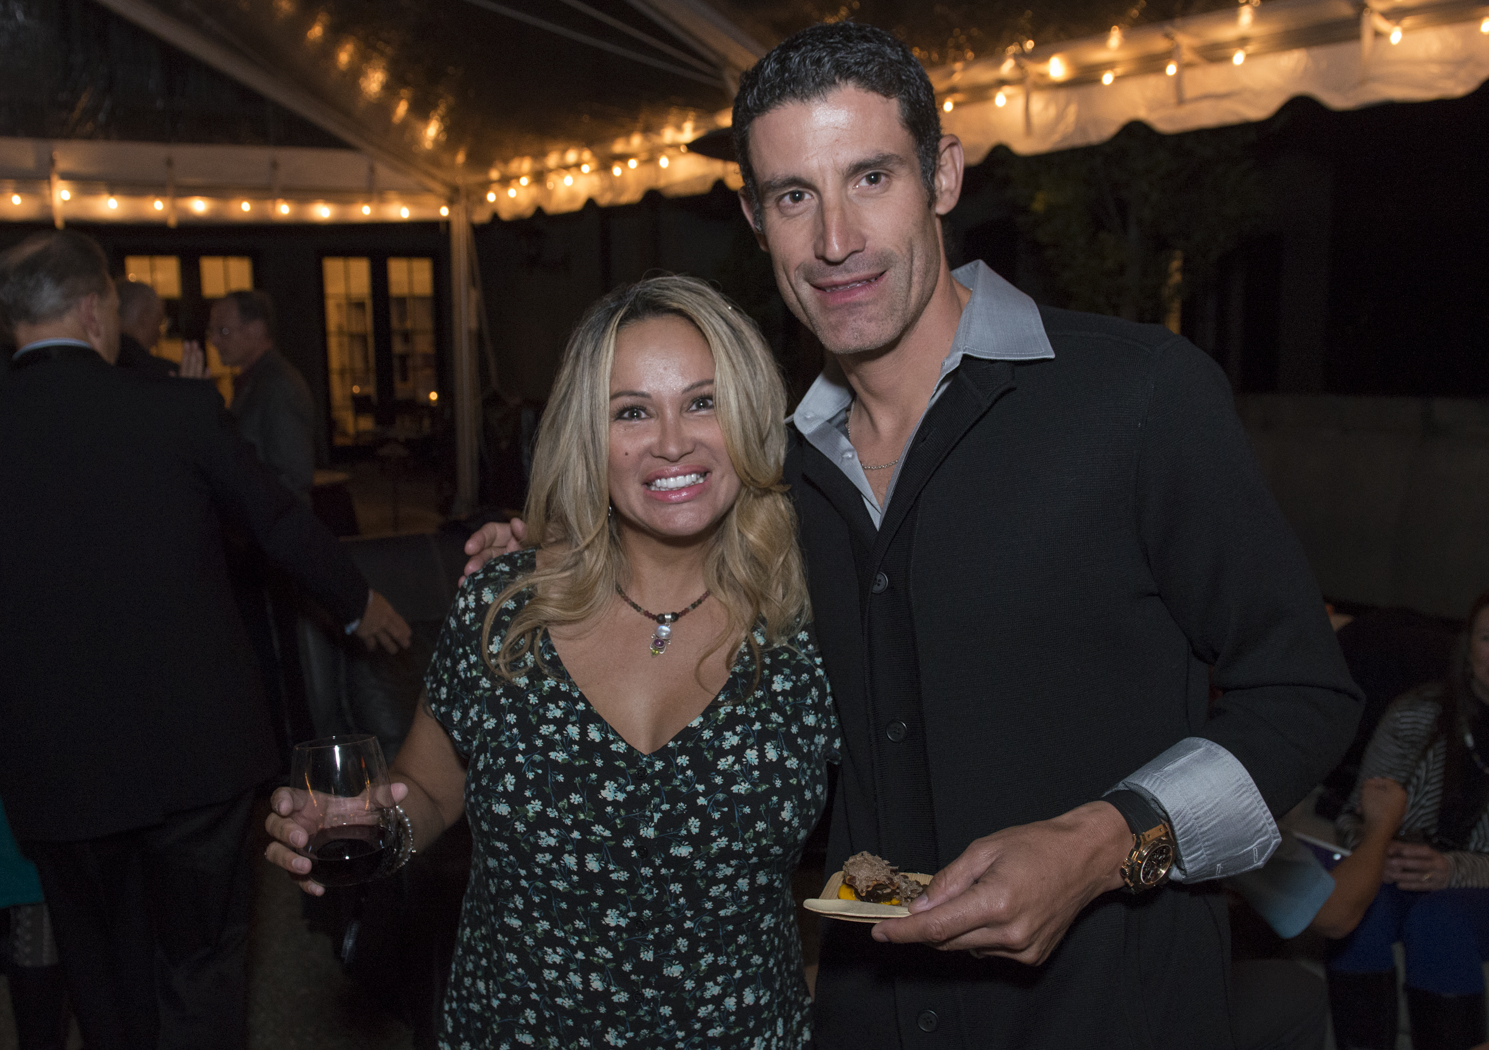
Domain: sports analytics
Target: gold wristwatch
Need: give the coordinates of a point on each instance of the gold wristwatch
(1152, 856)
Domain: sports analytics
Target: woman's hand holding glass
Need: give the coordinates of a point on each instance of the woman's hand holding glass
(334, 825)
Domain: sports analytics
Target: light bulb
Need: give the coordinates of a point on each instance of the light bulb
(1395, 34)
(1239, 57)
(491, 196)
(511, 191)
(324, 211)
(1000, 100)
(15, 198)
(1171, 69)
(366, 209)
(522, 181)
(113, 203)
(444, 209)
(1057, 68)
(246, 206)
(199, 205)
(948, 106)
(284, 209)
(66, 195)
(1114, 38)
(663, 162)
(1108, 77)
(616, 171)
(631, 163)
(403, 212)
(1484, 26)
(159, 204)
(434, 395)
(568, 180)
(584, 168)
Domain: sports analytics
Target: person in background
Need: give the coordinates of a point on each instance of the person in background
(271, 401)
(134, 727)
(38, 989)
(141, 316)
(1434, 894)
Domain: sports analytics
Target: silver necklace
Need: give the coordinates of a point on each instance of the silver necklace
(868, 466)
(664, 621)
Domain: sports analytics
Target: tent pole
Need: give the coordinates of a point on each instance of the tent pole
(467, 388)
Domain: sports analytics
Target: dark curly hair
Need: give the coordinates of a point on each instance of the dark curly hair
(822, 58)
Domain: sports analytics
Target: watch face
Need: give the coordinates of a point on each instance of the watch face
(1155, 863)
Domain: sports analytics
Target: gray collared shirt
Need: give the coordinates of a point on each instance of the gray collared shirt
(1221, 823)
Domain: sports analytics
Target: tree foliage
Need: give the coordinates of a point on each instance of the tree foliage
(1109, 218)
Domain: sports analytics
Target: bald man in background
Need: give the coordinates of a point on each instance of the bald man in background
(141, 317)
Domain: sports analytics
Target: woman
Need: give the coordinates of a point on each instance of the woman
(639, 783)
(1434, 741)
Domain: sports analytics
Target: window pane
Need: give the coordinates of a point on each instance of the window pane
(422, 276)
(165, 276)
(239, 273)
(214, 276)
(397, 277)
(411, 318)
(349, 357)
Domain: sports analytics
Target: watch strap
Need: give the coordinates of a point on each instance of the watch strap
(1140, 812)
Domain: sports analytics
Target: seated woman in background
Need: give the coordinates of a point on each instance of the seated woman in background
(639, 785)
(1434, 899)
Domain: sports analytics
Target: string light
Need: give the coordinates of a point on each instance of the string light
(1239, 57)
(15, 198)
(584, 168)
(568, 180)
(284, 209)
(511, 191)
(1057, 68)
(1108, 77)
(159, 204)
(198, 205)
(403, 211)
(1171, 69)
(663, 161)
(324, 212)
(1484, 26)
(444, 209)
(522, 181)
(366, 209)
(1114, 38)
(1000, 100)
(631, 163)
(113, 203)
(616, 171)
(434, 395)
(947, 105)
(246, 206)
(491, 196)
(66, 195)
(1395, 34)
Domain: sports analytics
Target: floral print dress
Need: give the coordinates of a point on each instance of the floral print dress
(618, 899)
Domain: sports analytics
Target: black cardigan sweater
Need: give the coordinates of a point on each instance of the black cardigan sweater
(1070, 547)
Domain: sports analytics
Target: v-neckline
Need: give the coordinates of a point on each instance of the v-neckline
(561, 672)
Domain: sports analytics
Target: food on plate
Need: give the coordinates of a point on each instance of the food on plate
(873, 879)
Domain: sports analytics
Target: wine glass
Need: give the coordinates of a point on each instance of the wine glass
(346, 807)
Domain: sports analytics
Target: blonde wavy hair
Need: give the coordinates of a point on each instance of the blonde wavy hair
(753, 566)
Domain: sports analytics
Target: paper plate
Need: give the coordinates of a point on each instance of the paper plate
(828, 903)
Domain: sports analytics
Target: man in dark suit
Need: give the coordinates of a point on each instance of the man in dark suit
(135, 730)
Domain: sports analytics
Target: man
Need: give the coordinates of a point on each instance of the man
(1028, 532)
(270, 399)
(135, 730)
(141, 316)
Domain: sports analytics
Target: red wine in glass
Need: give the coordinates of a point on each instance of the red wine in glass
(347, 855)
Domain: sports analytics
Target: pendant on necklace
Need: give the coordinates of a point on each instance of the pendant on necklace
(661, 637)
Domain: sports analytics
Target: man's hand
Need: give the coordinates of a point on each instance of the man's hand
(381, 625)
(1382, 805)
(493, 539)
(292, 819)
(1417, 866)
(193, 361)
(1015, 893)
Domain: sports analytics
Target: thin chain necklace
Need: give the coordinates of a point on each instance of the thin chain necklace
(868, 466)
(664, 621)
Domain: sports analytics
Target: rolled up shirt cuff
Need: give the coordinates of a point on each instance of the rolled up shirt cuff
(1220, 821)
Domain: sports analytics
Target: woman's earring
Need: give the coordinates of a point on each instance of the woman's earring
(610, 512)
